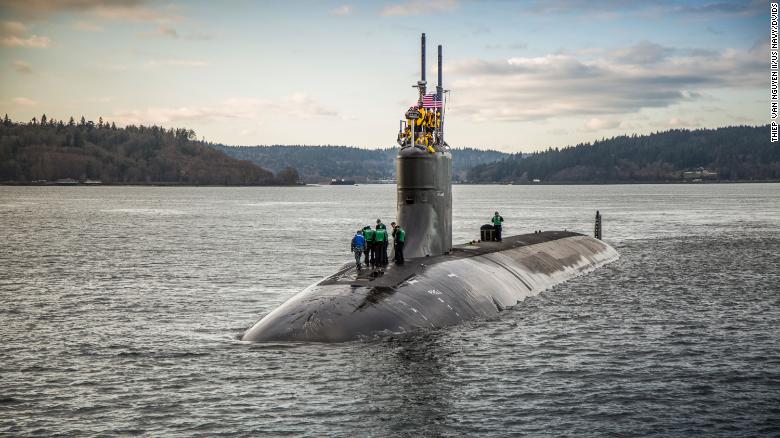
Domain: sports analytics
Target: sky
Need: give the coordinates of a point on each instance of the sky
(523, 75)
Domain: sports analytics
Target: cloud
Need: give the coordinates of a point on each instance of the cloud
(124, 10)
(676, 122)
(296, 105)
(87, 26)
(13, 28)
(643, 53)
(177, 63)
(426, 7)
(22, 67)
(597, 124)
(23, 101)
(133, 13)
(342, 10)
(607, 8)
(162, 31)
(743, 8)
(171, 32)
(33, 41)
(618, 82)
(650, 53)
(15, 34)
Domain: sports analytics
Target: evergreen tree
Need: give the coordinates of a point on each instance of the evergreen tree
(83, 121)
(100, 122)
(71, 122)
(43, 120)
(6, 120)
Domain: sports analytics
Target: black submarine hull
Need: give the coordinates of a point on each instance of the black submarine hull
(472, 281)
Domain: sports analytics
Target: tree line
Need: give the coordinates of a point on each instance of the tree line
(736, 153)
(45, 149)
(323, 163)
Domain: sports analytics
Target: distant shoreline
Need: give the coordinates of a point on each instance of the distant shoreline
(618, 183)
(152, 184)
(549, 183)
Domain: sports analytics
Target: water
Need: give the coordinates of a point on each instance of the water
(121, 307)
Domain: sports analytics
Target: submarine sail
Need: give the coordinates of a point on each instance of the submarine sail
(424, 172)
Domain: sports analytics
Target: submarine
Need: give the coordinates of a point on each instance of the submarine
(439, 285)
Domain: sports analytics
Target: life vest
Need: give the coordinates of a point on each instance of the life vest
(400, 235)
(380, 235)
(421, 120)
(497, 220)
(369, 235)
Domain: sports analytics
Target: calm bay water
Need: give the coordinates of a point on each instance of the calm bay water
(121, 307)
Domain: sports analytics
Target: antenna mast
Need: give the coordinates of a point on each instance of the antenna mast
(421, 84)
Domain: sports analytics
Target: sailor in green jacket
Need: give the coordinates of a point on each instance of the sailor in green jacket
(399, 237)
(497, 221)
(368, 233)
(380, 243)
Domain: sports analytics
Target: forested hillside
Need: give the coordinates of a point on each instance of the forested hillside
(48, 150)
(322, 163)
(733, 153)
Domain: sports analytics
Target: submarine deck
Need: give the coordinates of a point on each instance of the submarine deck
(393, 275)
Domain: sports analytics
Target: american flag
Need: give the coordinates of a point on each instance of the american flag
(431, 101)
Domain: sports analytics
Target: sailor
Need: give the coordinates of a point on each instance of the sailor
(419, 121)
(380, 243)
(399, 236)
(368, 234)
(497, 221)
(358, 246)
(420, 141)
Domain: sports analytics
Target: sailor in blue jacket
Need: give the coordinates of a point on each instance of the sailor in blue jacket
(358, 246)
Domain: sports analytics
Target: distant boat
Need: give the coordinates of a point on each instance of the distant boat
(342, 182)
(66, 182)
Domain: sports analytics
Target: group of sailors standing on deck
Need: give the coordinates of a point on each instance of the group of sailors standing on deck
(372, 244)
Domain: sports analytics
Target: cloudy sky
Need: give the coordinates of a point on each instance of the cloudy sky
(524, 75)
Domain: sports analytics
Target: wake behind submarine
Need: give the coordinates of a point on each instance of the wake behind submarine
(439, 285)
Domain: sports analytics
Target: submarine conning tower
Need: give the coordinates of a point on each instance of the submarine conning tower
(424, 172)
